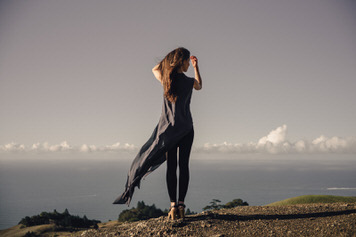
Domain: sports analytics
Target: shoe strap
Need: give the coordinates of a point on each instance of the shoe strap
(181, 205)
(170, 208)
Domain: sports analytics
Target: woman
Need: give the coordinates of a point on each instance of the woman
(174, 130)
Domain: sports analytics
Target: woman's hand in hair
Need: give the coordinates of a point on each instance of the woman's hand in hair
(198, 83)
(194, 61)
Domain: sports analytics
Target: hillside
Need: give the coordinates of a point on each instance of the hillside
(335, 219)
(308, 199)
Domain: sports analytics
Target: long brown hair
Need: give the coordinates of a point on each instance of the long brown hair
(169, 67)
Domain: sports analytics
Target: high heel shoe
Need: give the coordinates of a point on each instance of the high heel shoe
(181, 210)
(172, 213)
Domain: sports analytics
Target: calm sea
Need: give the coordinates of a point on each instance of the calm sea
(87, 184)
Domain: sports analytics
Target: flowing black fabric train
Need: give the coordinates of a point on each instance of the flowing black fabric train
(185, 146)
(175, 122)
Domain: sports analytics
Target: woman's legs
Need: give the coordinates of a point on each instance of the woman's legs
(171, 175)
(185, 146)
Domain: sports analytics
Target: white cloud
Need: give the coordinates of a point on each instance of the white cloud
(334, 144)
(274, 143)
(119, 147)
(12, 147)
(65, 147)
(86, 148)
(276, 136)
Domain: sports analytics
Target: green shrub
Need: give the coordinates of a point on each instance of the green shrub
(235, 203)
(60, 219)
(215, 206)
(30, 234)
(141, 212)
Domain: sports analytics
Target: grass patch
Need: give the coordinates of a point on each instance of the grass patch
(306, 199)
(17, 231)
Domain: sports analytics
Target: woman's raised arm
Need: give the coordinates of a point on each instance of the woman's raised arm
(157, 73)
(198, 83)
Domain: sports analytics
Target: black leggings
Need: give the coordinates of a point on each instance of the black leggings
(185, 145)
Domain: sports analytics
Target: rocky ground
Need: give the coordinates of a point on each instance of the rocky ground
(298, 220)
(338, 219)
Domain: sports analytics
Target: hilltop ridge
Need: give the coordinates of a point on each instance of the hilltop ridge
(319, 219)
(303, 219)
(308, 215)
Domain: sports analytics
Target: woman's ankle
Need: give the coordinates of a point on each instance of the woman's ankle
(173, 204)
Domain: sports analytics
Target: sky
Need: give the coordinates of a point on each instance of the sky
(278, 76)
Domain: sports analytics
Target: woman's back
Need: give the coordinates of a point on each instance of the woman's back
(178, 113)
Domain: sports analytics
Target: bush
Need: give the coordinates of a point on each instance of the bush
(235, 203)
(215, 206)
(141, 212)
(189, 212)
(30, 234)
(60, 219)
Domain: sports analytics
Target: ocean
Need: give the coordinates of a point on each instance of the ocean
(88, 183)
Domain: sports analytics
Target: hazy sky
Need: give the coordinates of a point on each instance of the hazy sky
(80, 71)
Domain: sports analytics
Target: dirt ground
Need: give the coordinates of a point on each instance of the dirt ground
(337, 219)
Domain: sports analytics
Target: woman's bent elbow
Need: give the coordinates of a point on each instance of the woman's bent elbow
(198, 87)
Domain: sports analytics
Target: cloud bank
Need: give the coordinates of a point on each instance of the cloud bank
(274, 143)
(64, 146)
